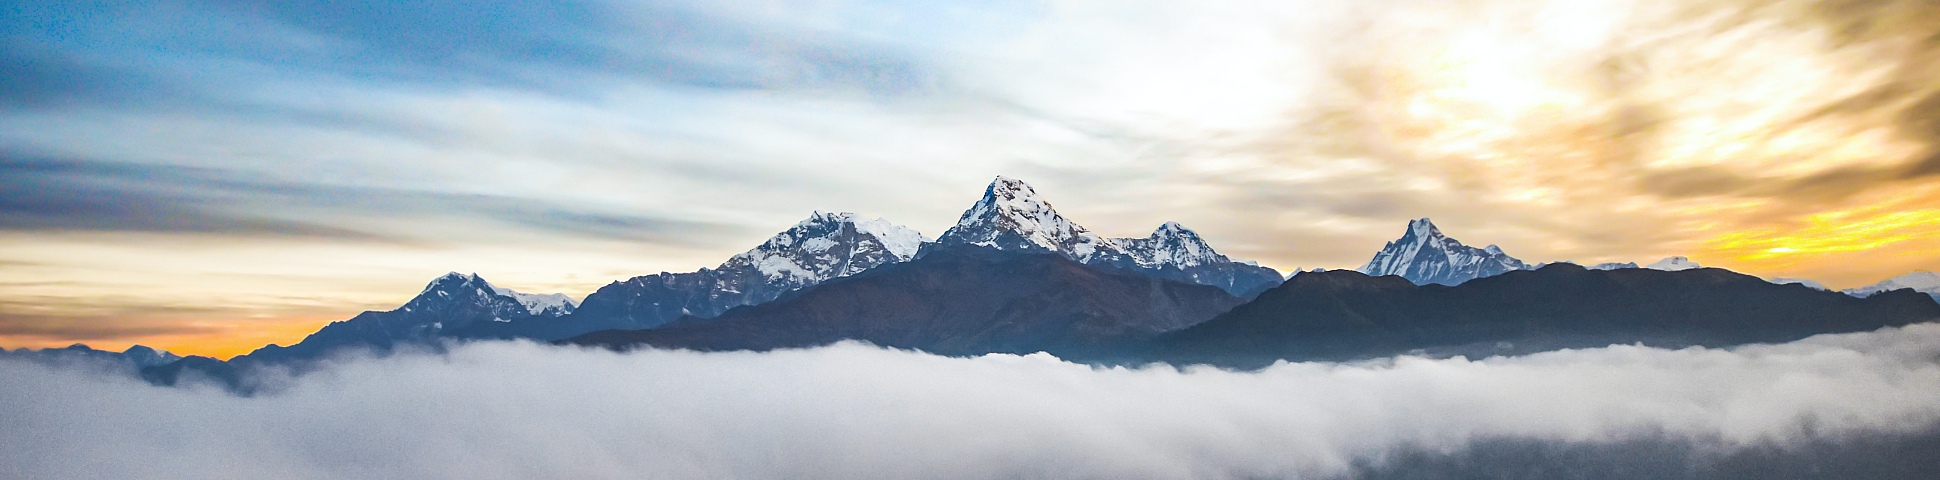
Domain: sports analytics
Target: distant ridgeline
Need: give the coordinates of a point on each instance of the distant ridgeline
(1015, 276)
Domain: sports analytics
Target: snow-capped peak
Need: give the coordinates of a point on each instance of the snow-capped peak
(828, 245)
(1423, 228)
(1011, 216)
(1171, 245)
(546, 304)
(452, 280)
(1674, 264)
(1424, 255)
(1924, 282)
(901, 241)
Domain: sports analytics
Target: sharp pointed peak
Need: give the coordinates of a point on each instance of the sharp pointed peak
(1173, 230)
(1011, 216)
(1009, 197)
(819, 217)
(1007, 180)
(455, 279)
(1424, 228)
(460, 277)
(1009, 187)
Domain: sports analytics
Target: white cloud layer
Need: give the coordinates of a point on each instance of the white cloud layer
(519, 410)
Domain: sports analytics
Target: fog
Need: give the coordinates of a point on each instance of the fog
(522, 410)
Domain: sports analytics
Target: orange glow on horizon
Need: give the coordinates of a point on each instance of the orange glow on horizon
(1829, 241)
(227, 339)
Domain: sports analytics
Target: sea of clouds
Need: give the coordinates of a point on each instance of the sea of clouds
(1867, 401)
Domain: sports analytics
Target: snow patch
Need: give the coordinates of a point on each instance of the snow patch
(1923, 282)
(901, 241)
(1674, 264)
(1800, 281)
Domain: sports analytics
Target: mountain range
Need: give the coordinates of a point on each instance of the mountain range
(1009, 217)
(955, 300)
(135, 357)
(1012, 217)
(450, 303)
(821, 247)
(1014, 275)
(1923, 282)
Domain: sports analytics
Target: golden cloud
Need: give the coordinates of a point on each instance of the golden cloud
(1791, 137)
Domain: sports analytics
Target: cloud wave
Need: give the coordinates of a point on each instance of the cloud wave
(520, 410)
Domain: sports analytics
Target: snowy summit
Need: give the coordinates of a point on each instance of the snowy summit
(1171, 245)
(1424, 255)
(1923, 282)
(1674, 264)
(1011, 216)
(829, 245)
(475, 288)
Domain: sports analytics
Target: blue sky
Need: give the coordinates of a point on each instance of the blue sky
(219, 167)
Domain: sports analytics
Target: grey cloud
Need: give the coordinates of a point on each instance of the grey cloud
(63, 194)
(1835, 184)
(519, 410)
(1922, 121)
(619, 227)
(1910, 94)
(123, 325)
(74, 196)
(1889, 456)
(1928, 166)
(1694, 182)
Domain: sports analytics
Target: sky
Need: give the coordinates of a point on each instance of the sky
(211, 176)
(1837, 406)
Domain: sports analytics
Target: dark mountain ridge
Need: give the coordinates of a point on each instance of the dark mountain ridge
(451, 303)
(1343, 315)
(135, 357)
(954, 300)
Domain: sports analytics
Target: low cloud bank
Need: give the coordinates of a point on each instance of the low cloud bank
(520, 410)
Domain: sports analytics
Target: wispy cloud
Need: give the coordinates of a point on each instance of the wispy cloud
(49, 194)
